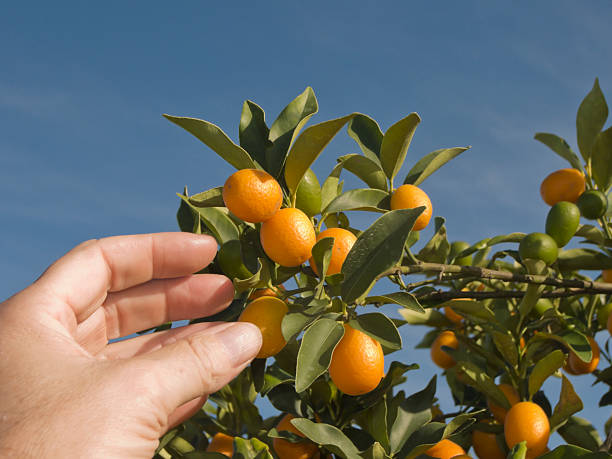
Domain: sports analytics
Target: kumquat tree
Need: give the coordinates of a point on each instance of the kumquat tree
(500, 316)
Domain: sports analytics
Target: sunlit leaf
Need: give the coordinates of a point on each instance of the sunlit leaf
(395, 144)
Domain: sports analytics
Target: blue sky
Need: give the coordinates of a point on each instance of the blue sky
(84, 151)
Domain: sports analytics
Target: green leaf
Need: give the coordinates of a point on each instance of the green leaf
(395, 144)
(587, 259)
(216, 140)
(475, 310)
(253, 131)
(591, 117)
(328, 436)
(287, 126)
(438, 248)
(321, 253)
(187, 219)
(519, 451)
(602, 160)
(329, 190)
(379, 327)
(571, 452)
(298, 318)
(573, 339)
(375, 423)
(307, 147)
(404, 299)
(376, 451)
(591, 234)
(217, 221)
(316, 350)
(368, 199)
(580, 432)
(208, 198)
(505, 344)
(430, 317)
(366, 132)
(430, 163)
(377, 249)
(544, 368)
(483, 382)
(366, 169)
(561, 147)
(251, 449)
(569, 403)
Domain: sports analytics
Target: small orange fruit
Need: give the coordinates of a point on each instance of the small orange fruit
(562, 185)
(343, 242)
(486, 446)
(287, 450)
(358, 363)
(526, 421)
(445, 449)
(606, 275)
(252, 195)
(579, 367)
(221, 443)
(439, 357)
(267, 314)
(512, 396)
(288, 237)
(265, 292)
(409, 197)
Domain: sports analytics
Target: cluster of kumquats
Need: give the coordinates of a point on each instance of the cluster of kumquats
(303, 275)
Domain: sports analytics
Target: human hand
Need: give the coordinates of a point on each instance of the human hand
(66, 392)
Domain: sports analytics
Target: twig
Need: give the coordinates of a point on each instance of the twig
(444, 295)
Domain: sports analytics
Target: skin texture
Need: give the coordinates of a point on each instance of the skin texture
(65, 391)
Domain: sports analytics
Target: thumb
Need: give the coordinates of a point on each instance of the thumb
(200, 364)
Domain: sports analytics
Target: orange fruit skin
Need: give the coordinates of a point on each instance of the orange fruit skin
(343, 242)
(445, 449)
(409, 197)
(288, 237)
(578, 367)
(252, 195)
(358, 362)
(267, 314)
(486, 446)
(462, 456)
(497, 411)
(606, 275)
(287, 450)
(221, 443)
(526, 421)
(265, 292)
(439, 357)
(562, 185)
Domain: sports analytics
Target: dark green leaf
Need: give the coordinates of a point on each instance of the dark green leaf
(287, 126)
(366, 132)
(329, 190)
(187, 219)
(569, 403)
(216, 140)
(580, 432)
(376, 451)
(505, 344)
(375, 423)
(328, 436)
(571, 452)
(591, 117)
(316, 350)
(321, 253)
(208, 198)
(369, 199)
(366, 169)
(216, 220)
(395, 144)
(377, 249)
(380, 327)
(483, 382)
(253, 132)
(258, 371)
(544, 368)
(561, 147)
(438, 248)
(404, 299)
(430, 163)
(587, 259)
(602, 160)
(307, 147)
(572, 339)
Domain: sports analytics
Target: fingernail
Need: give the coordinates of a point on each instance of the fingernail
(241, 342)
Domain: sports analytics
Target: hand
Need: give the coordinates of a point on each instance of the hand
(66, 392)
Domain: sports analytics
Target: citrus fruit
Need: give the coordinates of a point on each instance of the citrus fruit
(452, 315)
(288, 237)
(578, 366)
(526, 421)
(606, 275)
(357, 363)
(562, 185)
(267, 314)
(308, 194)
(539, 246)
(609, 324)
(603, 313)
(229, 259)
(409, 197)
(221, 443)
(252, 195)
(541, 306)
(265, 292)
(592, 204)
(438, 355)
(462, 456)
(455, 249)
(445, 449)
(562, 222)
(486, 446)
(287, 450)
(498, 412)
(343, 242)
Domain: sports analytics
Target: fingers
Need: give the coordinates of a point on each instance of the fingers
(199, 364)
(84, 275)
(184, 412)
(160, 301)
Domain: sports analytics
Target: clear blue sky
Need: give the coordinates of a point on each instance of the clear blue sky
(84, 151)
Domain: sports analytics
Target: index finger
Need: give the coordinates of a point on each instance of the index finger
(84, 276)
